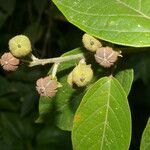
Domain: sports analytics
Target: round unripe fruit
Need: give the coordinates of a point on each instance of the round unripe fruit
(20, 46)
(81, 75)
(9, 62)
(46, 86)
(91, 43)
(106, 56)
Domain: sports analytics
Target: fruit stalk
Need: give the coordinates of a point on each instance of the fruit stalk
(37, 61)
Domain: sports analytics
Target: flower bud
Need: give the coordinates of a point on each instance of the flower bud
(81, 75)
(9, 62)
(91, 43)
(106, 56)
(20, 46)
(46, 86)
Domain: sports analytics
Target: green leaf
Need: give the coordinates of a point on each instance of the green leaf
(103, 119)
(125, 77)
(45, 107)
(67, 98)
(53, 138)
(123, 22)
(145, 142)
(50, 135)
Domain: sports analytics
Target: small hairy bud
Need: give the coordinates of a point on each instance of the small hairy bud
(9, 62)
(91, 43)
(106, 56)
(81, 75)
(20, 46)
(46, 86)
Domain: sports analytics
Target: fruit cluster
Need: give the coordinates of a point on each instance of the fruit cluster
(81, 75)
(105, 56)
(19, 46)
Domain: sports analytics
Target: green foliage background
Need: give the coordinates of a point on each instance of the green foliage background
(51, 36)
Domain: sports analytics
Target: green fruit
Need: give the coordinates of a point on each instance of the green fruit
(81, 75)
(90, 43)
(20, 46)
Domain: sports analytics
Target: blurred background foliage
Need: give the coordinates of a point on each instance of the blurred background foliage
(51, 36)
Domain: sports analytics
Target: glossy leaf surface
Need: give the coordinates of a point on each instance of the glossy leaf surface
(123, 22)
(103, 120)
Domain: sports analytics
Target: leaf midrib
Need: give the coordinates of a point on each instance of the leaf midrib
(124, 4)
(106, 118)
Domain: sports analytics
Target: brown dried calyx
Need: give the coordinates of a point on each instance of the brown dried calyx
(106, 56)
(46, 86)
(9, 62)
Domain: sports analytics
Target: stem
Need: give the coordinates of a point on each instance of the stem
(36, 62)
(54, 71)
